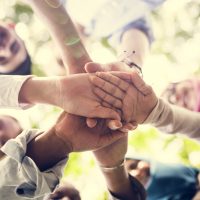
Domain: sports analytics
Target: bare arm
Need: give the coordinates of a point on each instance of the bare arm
(63, 31)
(134, 40)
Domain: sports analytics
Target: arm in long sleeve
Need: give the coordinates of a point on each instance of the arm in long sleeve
(174, 119)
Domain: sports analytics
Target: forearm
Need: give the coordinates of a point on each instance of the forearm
(40, 90)
(64, 33)
(118, 183)
(46, 150)
(174, 119)
(134, 40)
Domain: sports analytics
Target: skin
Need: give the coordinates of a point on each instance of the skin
(9, 128)
(73, 94)
(76, 65)
(137, 98)
(12, 49)
(71, 134)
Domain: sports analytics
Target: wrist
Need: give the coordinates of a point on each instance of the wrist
(47, 149)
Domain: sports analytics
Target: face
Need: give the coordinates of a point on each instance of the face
(12, 49)
(139, 169)
(185, 94)
(9, 128)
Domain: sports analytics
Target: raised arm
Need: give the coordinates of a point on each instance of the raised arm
(63, 31)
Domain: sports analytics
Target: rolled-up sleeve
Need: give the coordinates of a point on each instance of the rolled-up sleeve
(10, 86)
(20, 176)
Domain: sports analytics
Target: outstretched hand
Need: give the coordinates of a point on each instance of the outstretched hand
(93, 67)
(136, 97)
(76, 97)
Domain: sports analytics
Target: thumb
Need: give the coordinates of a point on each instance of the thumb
(93, 67)
(106, 113)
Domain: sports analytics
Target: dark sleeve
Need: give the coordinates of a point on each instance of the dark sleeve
(137, 187)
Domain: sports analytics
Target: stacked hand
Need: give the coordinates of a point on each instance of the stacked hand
(124, 91)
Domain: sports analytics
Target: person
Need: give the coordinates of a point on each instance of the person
(14, 57)
(184, 93)
(165, 181)
(10, 128)
(40, 172)
(75, 57)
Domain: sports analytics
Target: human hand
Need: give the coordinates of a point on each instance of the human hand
(138, 99)
(93, 67)
(65, 191)
(79, 137)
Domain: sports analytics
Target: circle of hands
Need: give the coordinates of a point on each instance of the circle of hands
(113, 102)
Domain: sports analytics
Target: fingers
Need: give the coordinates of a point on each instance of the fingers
(91, 122)
(108, 87)
(140, 84)
(129, 127)
(116, 81)
(106, 113)
(114, 124)
(92, 67)
(107, 98)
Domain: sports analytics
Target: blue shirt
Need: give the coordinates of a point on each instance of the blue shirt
(113, 17)
(171, 182)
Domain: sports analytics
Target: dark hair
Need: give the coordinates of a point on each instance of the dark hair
(23, 69)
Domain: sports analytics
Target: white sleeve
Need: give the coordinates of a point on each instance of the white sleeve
(9, 91)
(173, 119)
(20, 176)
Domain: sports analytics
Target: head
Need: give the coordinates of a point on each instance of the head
(14, 58)
(139, 169)
(9, 128)
(185, 93)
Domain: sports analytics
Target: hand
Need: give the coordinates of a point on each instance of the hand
(65, 191)
(92, 67)
(79, 137)
(79, 99)
(138, 99)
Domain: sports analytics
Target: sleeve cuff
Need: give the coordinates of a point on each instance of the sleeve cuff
(10, 88)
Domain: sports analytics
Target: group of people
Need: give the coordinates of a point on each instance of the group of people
(101, 103)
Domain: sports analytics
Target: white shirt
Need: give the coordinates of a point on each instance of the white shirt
(9, 91)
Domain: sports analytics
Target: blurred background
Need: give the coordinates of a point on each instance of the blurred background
(175, 55)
